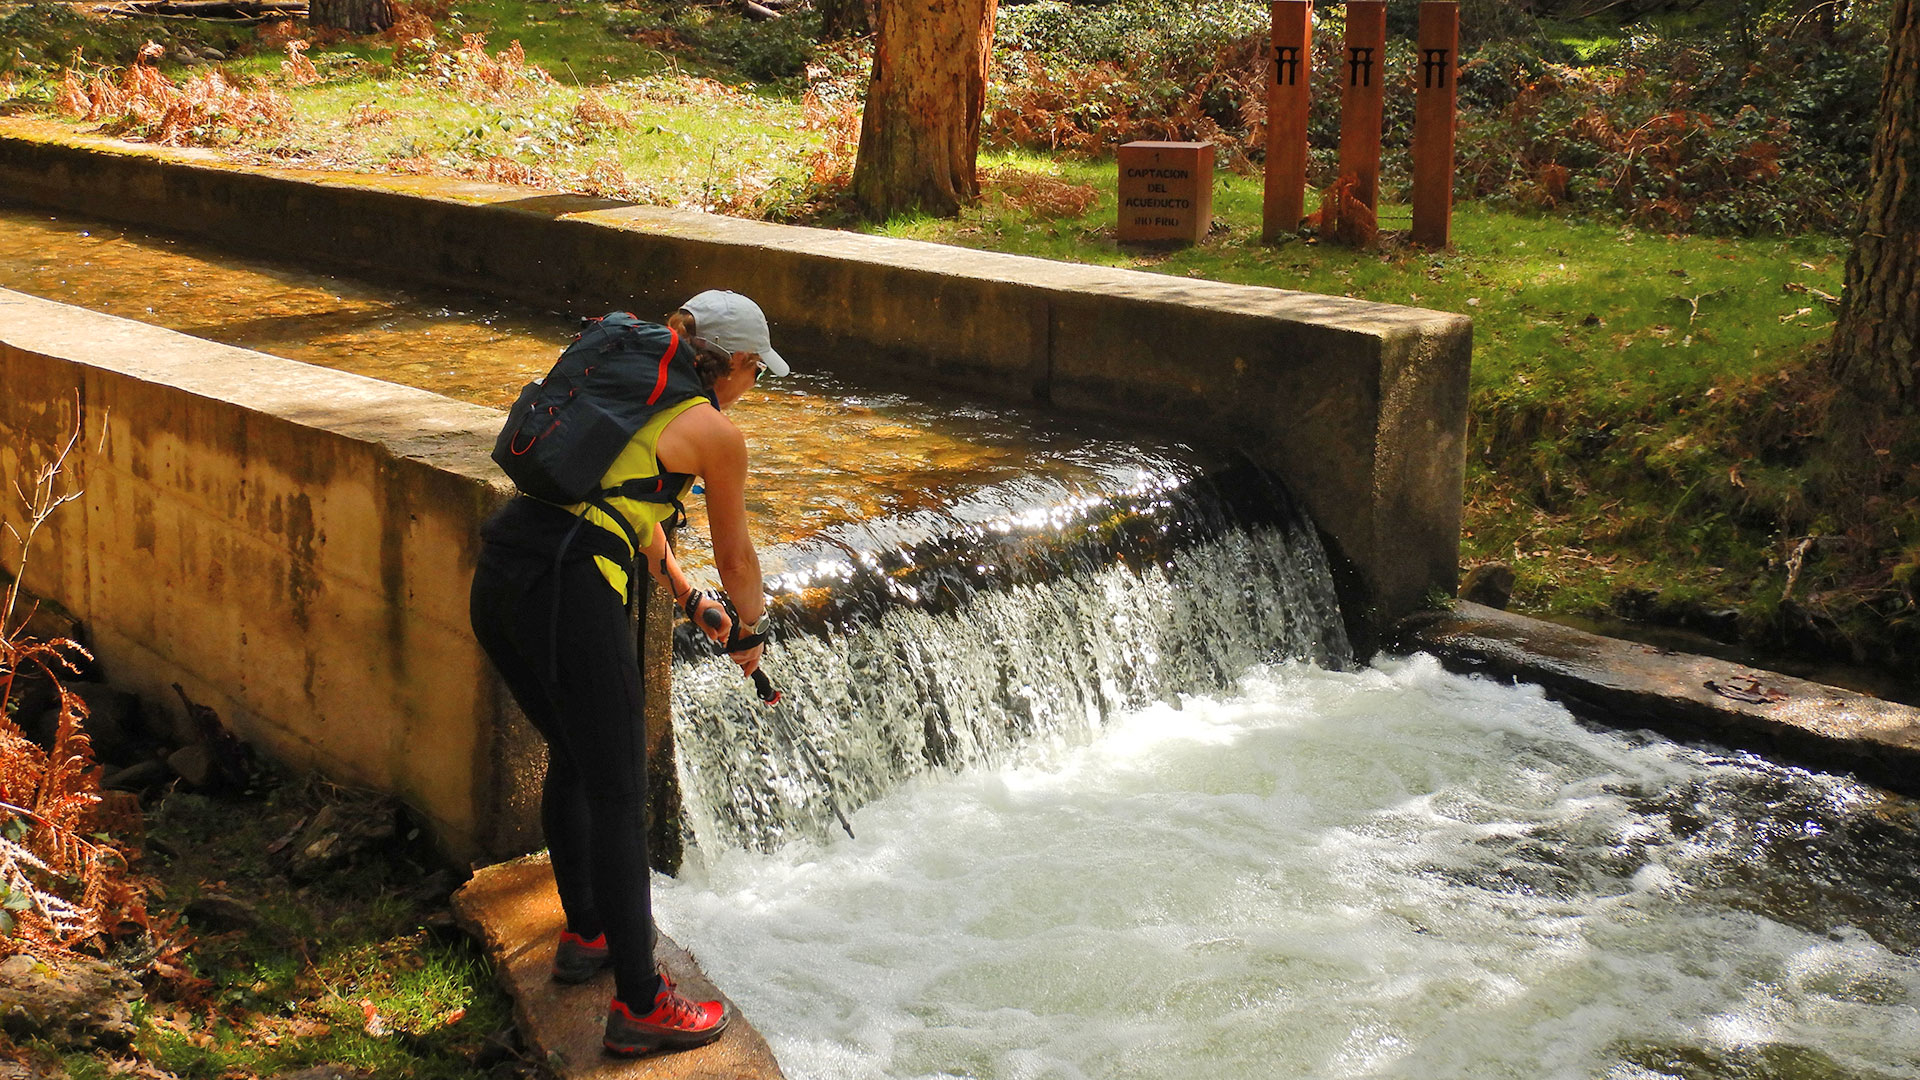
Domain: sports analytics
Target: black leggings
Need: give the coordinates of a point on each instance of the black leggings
(593, 807)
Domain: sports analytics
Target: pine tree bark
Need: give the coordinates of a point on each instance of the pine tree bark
(1876, 341)
(920, 133)
(354, 16)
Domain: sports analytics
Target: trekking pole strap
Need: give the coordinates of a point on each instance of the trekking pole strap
(736, 642)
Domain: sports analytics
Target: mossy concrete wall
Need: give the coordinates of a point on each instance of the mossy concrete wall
(1361, 407)
(290, 545)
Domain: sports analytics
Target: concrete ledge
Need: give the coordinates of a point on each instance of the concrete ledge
(1360, 407)
(1624, 684)
(513, 910)
(290, 544)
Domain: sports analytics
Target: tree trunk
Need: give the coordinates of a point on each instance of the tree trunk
(921, 129)
(1876, 342)
(355, 16)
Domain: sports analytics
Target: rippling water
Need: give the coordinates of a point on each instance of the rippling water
(1394, 872)
(1132, 846)
(825, 452)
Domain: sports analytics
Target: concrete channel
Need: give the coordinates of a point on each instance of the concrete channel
(1359, 407)
(292, 545)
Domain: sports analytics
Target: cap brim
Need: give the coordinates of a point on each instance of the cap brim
(775, 365)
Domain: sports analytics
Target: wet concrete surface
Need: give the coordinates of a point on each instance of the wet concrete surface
(1684, 695)
(513, 910)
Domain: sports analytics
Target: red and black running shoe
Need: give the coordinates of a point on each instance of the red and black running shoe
(579, 959)
(675, 1023)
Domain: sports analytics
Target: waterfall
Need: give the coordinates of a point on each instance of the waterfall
(968, 647)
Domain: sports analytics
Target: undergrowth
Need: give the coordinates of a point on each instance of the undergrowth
(359, 967)
(1662, 125)
(1677, 131)
(68, 885)
(205, 108)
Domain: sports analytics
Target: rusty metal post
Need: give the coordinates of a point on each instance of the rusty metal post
(1289, 64)
(1362, 97)
(1433, 122)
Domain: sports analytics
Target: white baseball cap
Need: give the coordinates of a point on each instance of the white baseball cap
(736, 324)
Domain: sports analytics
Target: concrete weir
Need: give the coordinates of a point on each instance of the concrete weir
(1360, 407)
(293, 545)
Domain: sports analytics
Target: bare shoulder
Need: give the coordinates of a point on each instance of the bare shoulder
(699, 440)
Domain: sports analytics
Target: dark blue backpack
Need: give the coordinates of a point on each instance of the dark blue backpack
(565, 430)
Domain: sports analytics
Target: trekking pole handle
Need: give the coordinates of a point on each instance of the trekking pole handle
(762, 686)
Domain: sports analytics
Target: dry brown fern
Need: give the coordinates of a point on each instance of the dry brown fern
(142, 102)
(1343, 216)
(60, 887)
(1038, 194)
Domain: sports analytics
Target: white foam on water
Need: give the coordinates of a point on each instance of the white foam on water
(1394, 872)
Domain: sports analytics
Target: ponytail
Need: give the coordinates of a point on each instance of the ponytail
(710, 362)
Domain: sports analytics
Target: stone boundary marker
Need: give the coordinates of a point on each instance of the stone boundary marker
(1626, 684)
(1165, 192)
(512, 910)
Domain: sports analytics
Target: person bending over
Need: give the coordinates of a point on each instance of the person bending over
(549, 608)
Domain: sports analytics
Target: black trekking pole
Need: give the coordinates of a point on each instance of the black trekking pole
(763, 688)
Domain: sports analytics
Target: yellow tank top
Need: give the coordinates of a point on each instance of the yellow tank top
(637, 462)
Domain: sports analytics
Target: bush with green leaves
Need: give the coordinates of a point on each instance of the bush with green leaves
(1148, 34)
(773, 51)
(1683, 133)
(1713, 127)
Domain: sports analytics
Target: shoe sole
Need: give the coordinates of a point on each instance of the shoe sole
(667, 1041)
(575, 976)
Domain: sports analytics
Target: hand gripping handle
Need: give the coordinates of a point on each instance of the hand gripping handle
(762, 686)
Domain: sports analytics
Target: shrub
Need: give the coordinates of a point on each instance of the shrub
(1674, 133)
(205, 109)
(1706, 132)
(1085, 81)
(771, 52)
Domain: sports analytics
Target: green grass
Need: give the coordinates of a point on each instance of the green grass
(295, 991)
(1605, 420)
(1563, 310)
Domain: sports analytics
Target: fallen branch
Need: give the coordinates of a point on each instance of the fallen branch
(208, 9)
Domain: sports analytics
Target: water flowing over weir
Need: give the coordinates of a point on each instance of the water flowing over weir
(1110, 824)
(961, 648)
(1391, 872)
(1126, 809)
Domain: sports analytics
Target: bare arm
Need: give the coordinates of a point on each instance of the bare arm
(702, 441)
(733, 553)
(665, 569)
